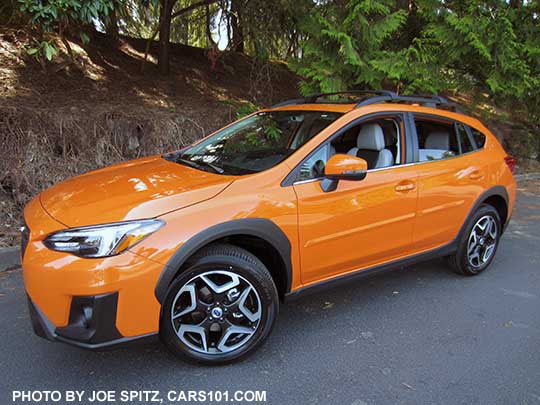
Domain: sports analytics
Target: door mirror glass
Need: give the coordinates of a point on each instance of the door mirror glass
(343, 167)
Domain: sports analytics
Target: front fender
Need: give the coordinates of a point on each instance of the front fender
(258, 227)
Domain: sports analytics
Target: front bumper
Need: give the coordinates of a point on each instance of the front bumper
(91, 323)
(90, 303)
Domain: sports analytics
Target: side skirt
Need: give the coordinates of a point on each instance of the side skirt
(393, 265)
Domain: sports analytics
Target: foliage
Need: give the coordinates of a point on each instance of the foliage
(58, 15)
(480, 43)
(430, 46)
(245, 109)
(49, 13)
(44, 48)
(342, 44)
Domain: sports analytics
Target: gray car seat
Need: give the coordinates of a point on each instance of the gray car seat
(437, 146)
(370, 146)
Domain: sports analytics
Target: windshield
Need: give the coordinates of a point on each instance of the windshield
(255, 143)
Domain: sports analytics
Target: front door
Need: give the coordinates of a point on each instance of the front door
(361, 223)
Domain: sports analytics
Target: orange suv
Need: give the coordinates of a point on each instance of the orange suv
(200, 245)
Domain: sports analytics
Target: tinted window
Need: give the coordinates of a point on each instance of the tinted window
(436, 139)
(255, 143)
(464, 139)
(479, 138)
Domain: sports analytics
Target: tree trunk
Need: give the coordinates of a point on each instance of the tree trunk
(112, 24)
(236, 25)
(165, 18)
(164, 30)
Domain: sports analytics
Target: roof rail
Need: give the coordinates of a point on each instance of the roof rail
(427, 100)
(313, 98)
(380, 96)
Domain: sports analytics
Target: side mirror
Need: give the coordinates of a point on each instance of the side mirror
(342, 167)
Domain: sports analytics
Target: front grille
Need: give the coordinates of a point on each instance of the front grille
(25, 235)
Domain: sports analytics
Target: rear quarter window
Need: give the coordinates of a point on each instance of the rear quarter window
(464, 139)
(479, 138)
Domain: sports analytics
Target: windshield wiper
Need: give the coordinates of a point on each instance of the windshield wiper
(200, 165)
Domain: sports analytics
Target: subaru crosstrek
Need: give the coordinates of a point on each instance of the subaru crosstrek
(200, 245)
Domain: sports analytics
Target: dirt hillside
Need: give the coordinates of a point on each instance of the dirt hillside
(101, 107)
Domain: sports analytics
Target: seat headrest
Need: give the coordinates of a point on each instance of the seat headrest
(438, 140)
(371, 137)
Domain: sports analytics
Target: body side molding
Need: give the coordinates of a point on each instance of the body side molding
(370, 271)
(257, 227)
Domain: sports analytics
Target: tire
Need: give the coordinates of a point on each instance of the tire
(227, 323)
(465, 261)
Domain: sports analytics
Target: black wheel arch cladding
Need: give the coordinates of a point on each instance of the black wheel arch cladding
(261, 228)
(495, 191)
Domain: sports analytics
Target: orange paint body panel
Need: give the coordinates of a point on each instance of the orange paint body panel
(393, 213)
(360, 224)
(142, 188)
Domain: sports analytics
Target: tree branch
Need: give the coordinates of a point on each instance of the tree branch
(193, 7)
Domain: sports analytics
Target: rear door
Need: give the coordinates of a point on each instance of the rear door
(450, 178)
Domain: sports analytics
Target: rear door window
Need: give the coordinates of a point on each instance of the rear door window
(437, 139)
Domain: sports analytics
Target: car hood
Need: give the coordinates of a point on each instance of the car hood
(142, 188)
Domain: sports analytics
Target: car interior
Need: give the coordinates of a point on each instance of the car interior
(376, 141)
(436, 140)
(371, 142)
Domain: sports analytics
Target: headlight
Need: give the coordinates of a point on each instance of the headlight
(102, 240)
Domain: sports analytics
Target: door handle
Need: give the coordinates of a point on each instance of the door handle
(476, 175)
(405, 186)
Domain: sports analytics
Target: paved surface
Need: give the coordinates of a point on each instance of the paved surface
(10, 258)
(421, 335)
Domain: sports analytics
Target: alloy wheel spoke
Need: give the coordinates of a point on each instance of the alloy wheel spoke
(473, 240)
(219, 289)
(202, 304)
(492, 229)
(199, 330)
(230, 331)
(482, 224)
(252, 316)
(190, 289)
(487, 253)
(475, 256)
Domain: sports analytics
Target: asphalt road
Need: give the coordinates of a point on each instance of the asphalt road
(419, 335)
